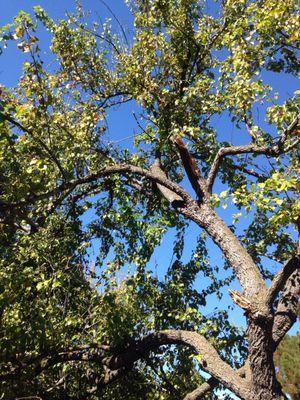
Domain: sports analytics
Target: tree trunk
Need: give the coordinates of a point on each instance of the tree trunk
(264, 384)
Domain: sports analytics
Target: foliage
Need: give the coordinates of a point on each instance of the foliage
(286, 360)
(183, 68)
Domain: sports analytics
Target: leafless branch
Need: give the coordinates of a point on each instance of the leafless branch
(284, 135)
(191, 168)
(252, 148)
(168, 194)
(211, 383)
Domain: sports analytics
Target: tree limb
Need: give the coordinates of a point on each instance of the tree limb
(168, 194)
(240, 260)
(281, 277)
(210, 360)
(121, 361)
(288, 131)
(253, 148)
(200, 391)
(211, 383)
(287, 309)
(109, 170)
(191, 168)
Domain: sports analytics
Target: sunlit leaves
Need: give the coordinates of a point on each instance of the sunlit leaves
(78, 260)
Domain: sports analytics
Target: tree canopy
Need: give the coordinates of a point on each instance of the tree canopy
(78, 325)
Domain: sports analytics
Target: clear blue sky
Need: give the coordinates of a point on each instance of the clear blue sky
(123, 124)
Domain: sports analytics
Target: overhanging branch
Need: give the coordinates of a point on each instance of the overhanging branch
(122, 360)
(122, 169)
(211, 383)
(200, 391)
(210, 361)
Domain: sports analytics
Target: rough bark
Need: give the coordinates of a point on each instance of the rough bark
(264, 385)
(286, 313)
(198, 393)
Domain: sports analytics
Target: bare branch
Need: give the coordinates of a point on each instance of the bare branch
(252, 148)
(170, 195)
(230, 151)
(240, 300)
(288, 131)
(211, 383)
(248, 171)
(58, 383)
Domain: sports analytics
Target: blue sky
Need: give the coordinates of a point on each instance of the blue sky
(122, 124)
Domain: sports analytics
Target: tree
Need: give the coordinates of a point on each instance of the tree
(286, 359)
(71, 328)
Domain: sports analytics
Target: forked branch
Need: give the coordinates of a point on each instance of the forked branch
(253, 148)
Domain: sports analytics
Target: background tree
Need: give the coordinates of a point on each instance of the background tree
(286, 359)
(72, 327)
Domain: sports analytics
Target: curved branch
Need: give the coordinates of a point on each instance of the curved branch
(110, 170)
(210, 360)
(231, 151)
(281, 278)
(168, 194)
(123, 360)
(252, 148)
(287, 309)
(240, 260)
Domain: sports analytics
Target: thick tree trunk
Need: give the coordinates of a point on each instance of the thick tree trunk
(264, 385)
